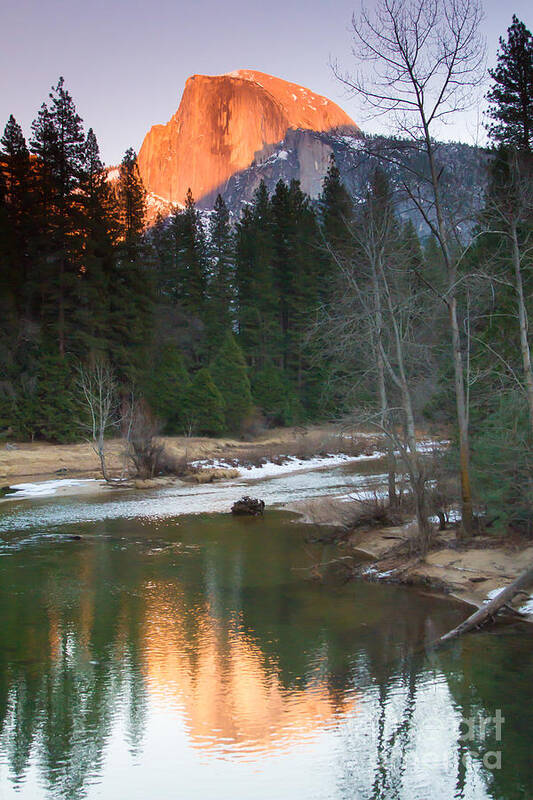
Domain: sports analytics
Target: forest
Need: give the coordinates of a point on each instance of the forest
(300, 310)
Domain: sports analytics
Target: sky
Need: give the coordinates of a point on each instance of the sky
(125, 62)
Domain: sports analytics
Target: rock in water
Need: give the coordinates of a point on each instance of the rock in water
(225, 123)
(248, 505)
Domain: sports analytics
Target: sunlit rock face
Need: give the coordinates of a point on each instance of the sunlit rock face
(226, 123)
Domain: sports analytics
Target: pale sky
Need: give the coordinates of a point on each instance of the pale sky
(126, 61)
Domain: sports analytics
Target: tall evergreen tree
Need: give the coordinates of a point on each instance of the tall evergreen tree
(229, 373)
(54, 406)
(16, 199)
(336, 211)
(205, 405)
(296, 271)
(58, 144)
(221, 284)
(131, 196)
(99, 231)
(274, 394)
(511, 96)
(191, 257)
(167, 389)
(132, 296)
(165, 242)
(257, 295)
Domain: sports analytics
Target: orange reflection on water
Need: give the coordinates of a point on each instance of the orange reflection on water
(230, 695)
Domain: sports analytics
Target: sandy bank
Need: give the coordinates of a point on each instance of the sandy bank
(471, 574)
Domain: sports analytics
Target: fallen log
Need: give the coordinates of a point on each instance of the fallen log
(488, 611)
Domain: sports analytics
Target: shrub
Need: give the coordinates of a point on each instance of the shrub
(144, 450)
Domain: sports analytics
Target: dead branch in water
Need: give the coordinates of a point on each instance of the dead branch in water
(490, 609)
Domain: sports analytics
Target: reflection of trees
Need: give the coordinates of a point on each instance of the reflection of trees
(61, 680)
(487, 672)
(254, 656)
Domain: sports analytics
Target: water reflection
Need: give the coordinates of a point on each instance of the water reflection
(158, 659)
(232, 697)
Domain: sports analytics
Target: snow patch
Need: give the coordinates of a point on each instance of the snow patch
(429, 445)
(527, 608)
(376, 573)
(494, 593)
(453, 515)
(291, 464)
(47, 487)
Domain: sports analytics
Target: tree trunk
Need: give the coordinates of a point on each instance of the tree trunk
(467, 518)
(382, 389)
(415, 467)
(487, 611)
(101, 456)
(523, 322)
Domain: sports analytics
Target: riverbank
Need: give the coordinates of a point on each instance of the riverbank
(471, 573)
(40, 461)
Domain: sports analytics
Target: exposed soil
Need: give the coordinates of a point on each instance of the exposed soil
(467, 573)
(41, 461)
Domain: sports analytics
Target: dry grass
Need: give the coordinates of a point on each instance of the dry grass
(210, 474)
(40, 460)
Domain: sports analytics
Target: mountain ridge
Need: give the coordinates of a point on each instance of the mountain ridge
(224, 124)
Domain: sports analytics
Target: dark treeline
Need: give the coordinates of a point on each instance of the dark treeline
(205, 320)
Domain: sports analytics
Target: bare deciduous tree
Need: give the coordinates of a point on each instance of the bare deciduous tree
(374, 311)
(98, 393)
(418, 62)
(145, 450)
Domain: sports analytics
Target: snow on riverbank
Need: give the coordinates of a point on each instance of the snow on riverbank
(49, 488)
(271, 469)
(525, 608)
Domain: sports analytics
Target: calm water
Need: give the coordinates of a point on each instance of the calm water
(170, 656)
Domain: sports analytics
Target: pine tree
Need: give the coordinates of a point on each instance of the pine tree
(165, 242)
(275, 396)
(17, 213)
(167, 389)
(191, 258)
(221, 284)
(99, 231)
(132, 295)
(296, 271)
(230, 375)
(205, 405)
(511, 96)
(257, 296)
(131, 196)
(57, 143)
(336, 213)
(54, 404)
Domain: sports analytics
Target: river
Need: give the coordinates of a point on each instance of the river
(172, 654)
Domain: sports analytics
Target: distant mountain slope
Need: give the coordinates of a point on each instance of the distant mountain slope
(224, 124)
(304, 155)
(232, 131)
